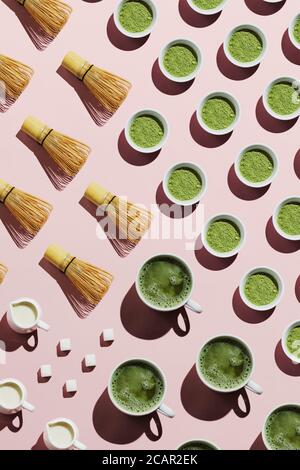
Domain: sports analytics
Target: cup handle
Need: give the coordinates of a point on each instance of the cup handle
(79, 445)
(44, 326)
(254, 387)
(194, 306)
(165, 410)
(28, 406)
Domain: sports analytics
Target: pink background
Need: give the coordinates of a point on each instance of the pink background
(138, 331)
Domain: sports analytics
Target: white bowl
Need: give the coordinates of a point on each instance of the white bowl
(291, 32)
(278, 408)
(202, 441)
(260, 184)
(282, 117)
(211, 11)
(259, 33)
(184, 42)
(230, 218)
(129, 34)
(278, 279)
(275, 217)
(197, 170)
(294, 359)
(218, 94)
(159, 117)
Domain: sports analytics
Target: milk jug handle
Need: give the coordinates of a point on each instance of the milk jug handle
(27, 406)
(79, 445)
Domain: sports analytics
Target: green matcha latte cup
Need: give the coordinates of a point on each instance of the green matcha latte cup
(256, 166)
(184, 184)
(180, 60)
(286, 218)
(261, 289)
(223, 235)
(147, 131)
(281, 429)
(245, 46)
(281, 98)
(207, 7)
(290, 342)
(218, 113)
(135, 19)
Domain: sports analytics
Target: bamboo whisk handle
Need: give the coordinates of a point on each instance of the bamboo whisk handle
(76, 65)
(36, 129)
(59, 257)
(5, 190)
(98, 195)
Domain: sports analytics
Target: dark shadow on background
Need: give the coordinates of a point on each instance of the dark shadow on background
(246, 313)
(8, 421)
(195, 19)
(144, 322)
(167, 86)
(201, 137)
(284, 363)
(297, 164)
(290, 51)
(121, 41)
(203, 403)
(118, 428)
(169, 209)
(81, 307)
(132, 156)
(97, 112)
(58, 178)
(260, 7)
(209, 261)
(241, 190)
(269, 123)
(258, 444)
(297, 288)
(231, 70)
(40, 444)
(14, 340)
(279, 243)
(16, 231)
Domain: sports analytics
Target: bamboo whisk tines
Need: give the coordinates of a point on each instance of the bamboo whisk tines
(3, 271)
(14, 78)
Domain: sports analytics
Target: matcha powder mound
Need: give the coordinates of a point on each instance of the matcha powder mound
(180, 60)
(146, 131)
(297, 30)
(293, 341)
(223, 236)
(218, 113)
(256, 165)
(207, 4)
(289, 218)
(282, 99)
(261, 289)
(135, 16)
(245, 46)
(184, 184)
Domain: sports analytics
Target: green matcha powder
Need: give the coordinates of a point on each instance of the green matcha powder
(293, 341)
(261, 289)
(184, 184)
(289, 218)
(256, 166)
(297, 30)
(146, 131)
(135, 16)
(245, 46)
(180, 60)
(218, 113)
(223, 236)
(282, 99)
(207, 4)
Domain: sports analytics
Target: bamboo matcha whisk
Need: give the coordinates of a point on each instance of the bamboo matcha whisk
(3, 271)
(109, 89)
(69, 154)
(14, 78)
(51, 15)
(30, 211)
(92, 282)
(132, 221)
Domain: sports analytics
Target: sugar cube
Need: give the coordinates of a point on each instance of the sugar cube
(90, 360)
(108, 334)
(65, 345)
(46, 371)
(71, 386)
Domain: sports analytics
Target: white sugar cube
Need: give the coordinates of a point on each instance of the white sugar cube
(90, 360)
(46, 371)
(108, 334)
(65, 345)
(71, 386)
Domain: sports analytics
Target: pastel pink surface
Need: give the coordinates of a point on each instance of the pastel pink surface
(49, 97)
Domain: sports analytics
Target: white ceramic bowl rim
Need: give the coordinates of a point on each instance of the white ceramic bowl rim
(231, 218)
(291, 31)
(284, 338)
(258, 32)
(271, 272)
(191, 45)
(283, 234)
(178, 259)
(283, 117)
(233, 338)
(140, 34)
(156, 115)
(274, 410)
(226, 96)
(272, 155)
(149, 363)
(196, 169)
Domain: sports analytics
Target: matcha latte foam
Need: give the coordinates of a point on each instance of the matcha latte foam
(135, 16)
(225, 363)
(137, 387)
(165, 282)
(282, 429)
(197, 445)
